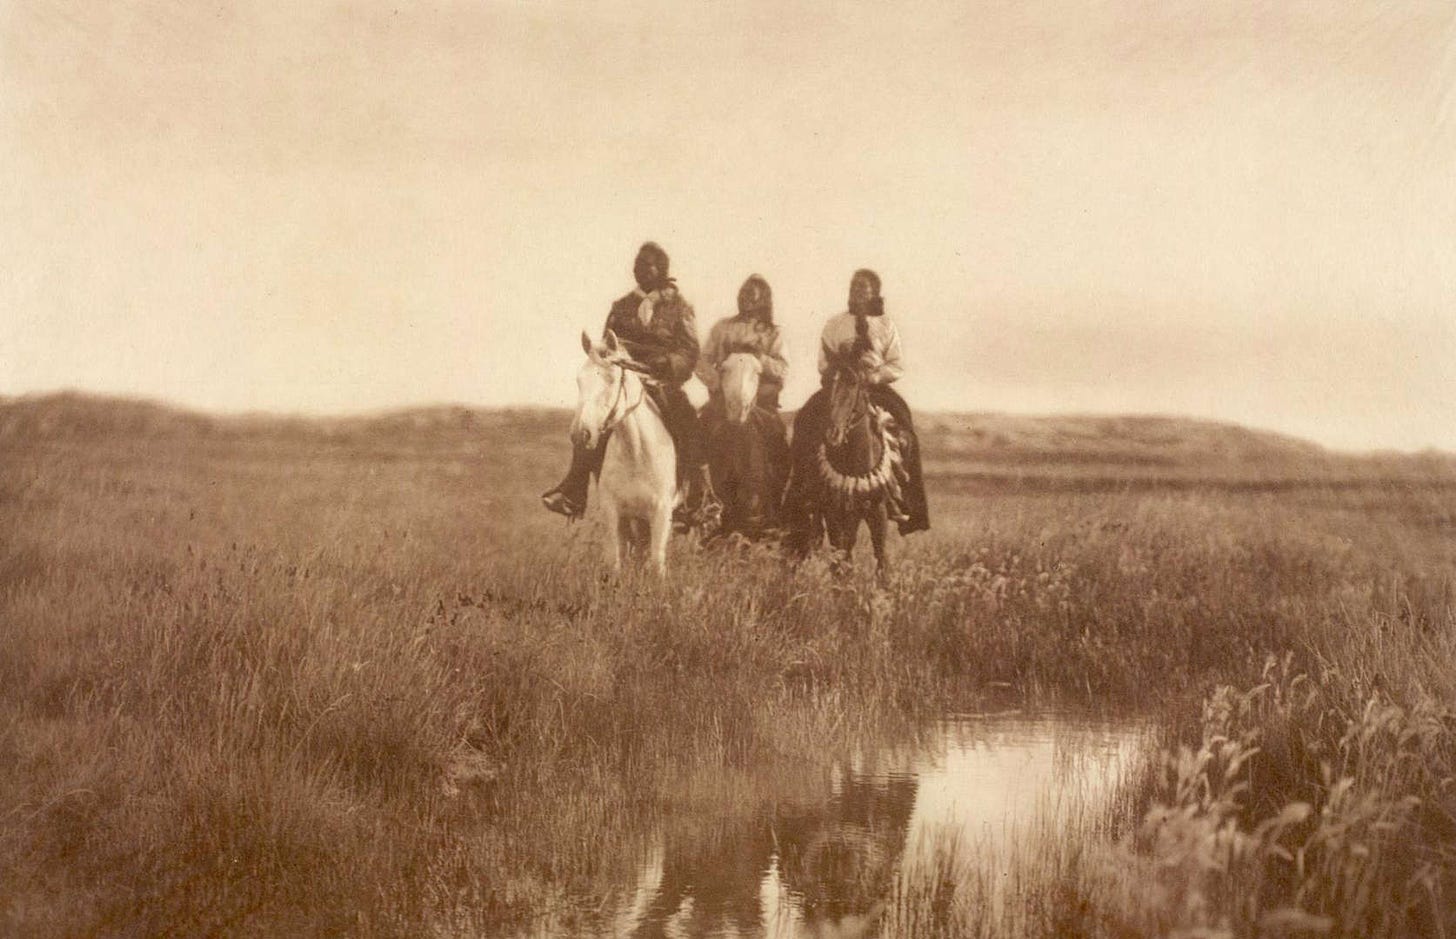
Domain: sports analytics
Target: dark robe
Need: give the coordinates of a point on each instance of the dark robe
(668, 346)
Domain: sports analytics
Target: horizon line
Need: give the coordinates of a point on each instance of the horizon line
(8, 398)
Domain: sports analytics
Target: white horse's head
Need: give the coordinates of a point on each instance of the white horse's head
(608, 386)
(739, 375)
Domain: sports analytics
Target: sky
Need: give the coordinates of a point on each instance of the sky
(1229, 209)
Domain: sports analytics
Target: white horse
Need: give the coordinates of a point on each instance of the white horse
(638, 483)
(738, 378)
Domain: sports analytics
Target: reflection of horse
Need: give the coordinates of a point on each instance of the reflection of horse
(840, 861)
(748, 452)
(638, 480)
(855, 470)
(796, 854)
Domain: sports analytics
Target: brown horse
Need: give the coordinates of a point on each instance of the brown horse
(855, 471)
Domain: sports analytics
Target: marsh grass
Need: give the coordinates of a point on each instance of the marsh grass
(282, 678)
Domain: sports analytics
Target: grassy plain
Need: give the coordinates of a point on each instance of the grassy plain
(288, 677)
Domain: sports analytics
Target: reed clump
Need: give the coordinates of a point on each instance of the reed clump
(1305, 809)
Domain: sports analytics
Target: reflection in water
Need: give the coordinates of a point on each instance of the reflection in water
(997, 775)
(815, 852)
(1004, 788)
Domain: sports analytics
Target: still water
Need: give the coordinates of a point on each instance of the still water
(818, 850)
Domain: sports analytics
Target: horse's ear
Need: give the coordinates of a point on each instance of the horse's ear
(586, 344)
(611, 342)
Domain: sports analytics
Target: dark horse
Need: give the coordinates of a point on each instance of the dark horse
(850, 473)
(747, 452)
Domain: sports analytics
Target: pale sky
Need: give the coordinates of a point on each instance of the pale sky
(1241, 210)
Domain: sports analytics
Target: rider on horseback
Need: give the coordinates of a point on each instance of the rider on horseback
(752, 330)
(657, 327)
(868, 337)
(743, 365)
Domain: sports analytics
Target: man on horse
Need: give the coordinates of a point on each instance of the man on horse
(869, 339)
(657, 326)
(743, 366)
(752, 331)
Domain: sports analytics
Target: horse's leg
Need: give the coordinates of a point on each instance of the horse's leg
(878, 522)
(627, 539)
(728, 521)
(613, 546)
(843, 532)
(642, 536)
(659, 528)
(739, 523)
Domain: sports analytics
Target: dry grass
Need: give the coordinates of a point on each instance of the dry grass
(274, 677)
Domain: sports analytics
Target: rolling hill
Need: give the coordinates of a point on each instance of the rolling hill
(968, 448)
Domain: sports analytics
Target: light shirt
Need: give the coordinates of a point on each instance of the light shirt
(734, 333)
(839, 335)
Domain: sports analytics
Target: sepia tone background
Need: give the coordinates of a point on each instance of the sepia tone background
(343, 675)
(1241, 210)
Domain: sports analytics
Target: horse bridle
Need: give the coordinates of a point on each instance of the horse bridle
(861, 408)
(610, 421)
(878, 479)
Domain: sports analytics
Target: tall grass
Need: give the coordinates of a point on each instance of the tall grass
(286, 682)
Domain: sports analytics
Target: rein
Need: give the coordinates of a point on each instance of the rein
(613, 419)
(859, 411)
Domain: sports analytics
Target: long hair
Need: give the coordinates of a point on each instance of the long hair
(756, 304)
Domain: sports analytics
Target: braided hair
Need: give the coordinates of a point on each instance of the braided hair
(863, 311)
